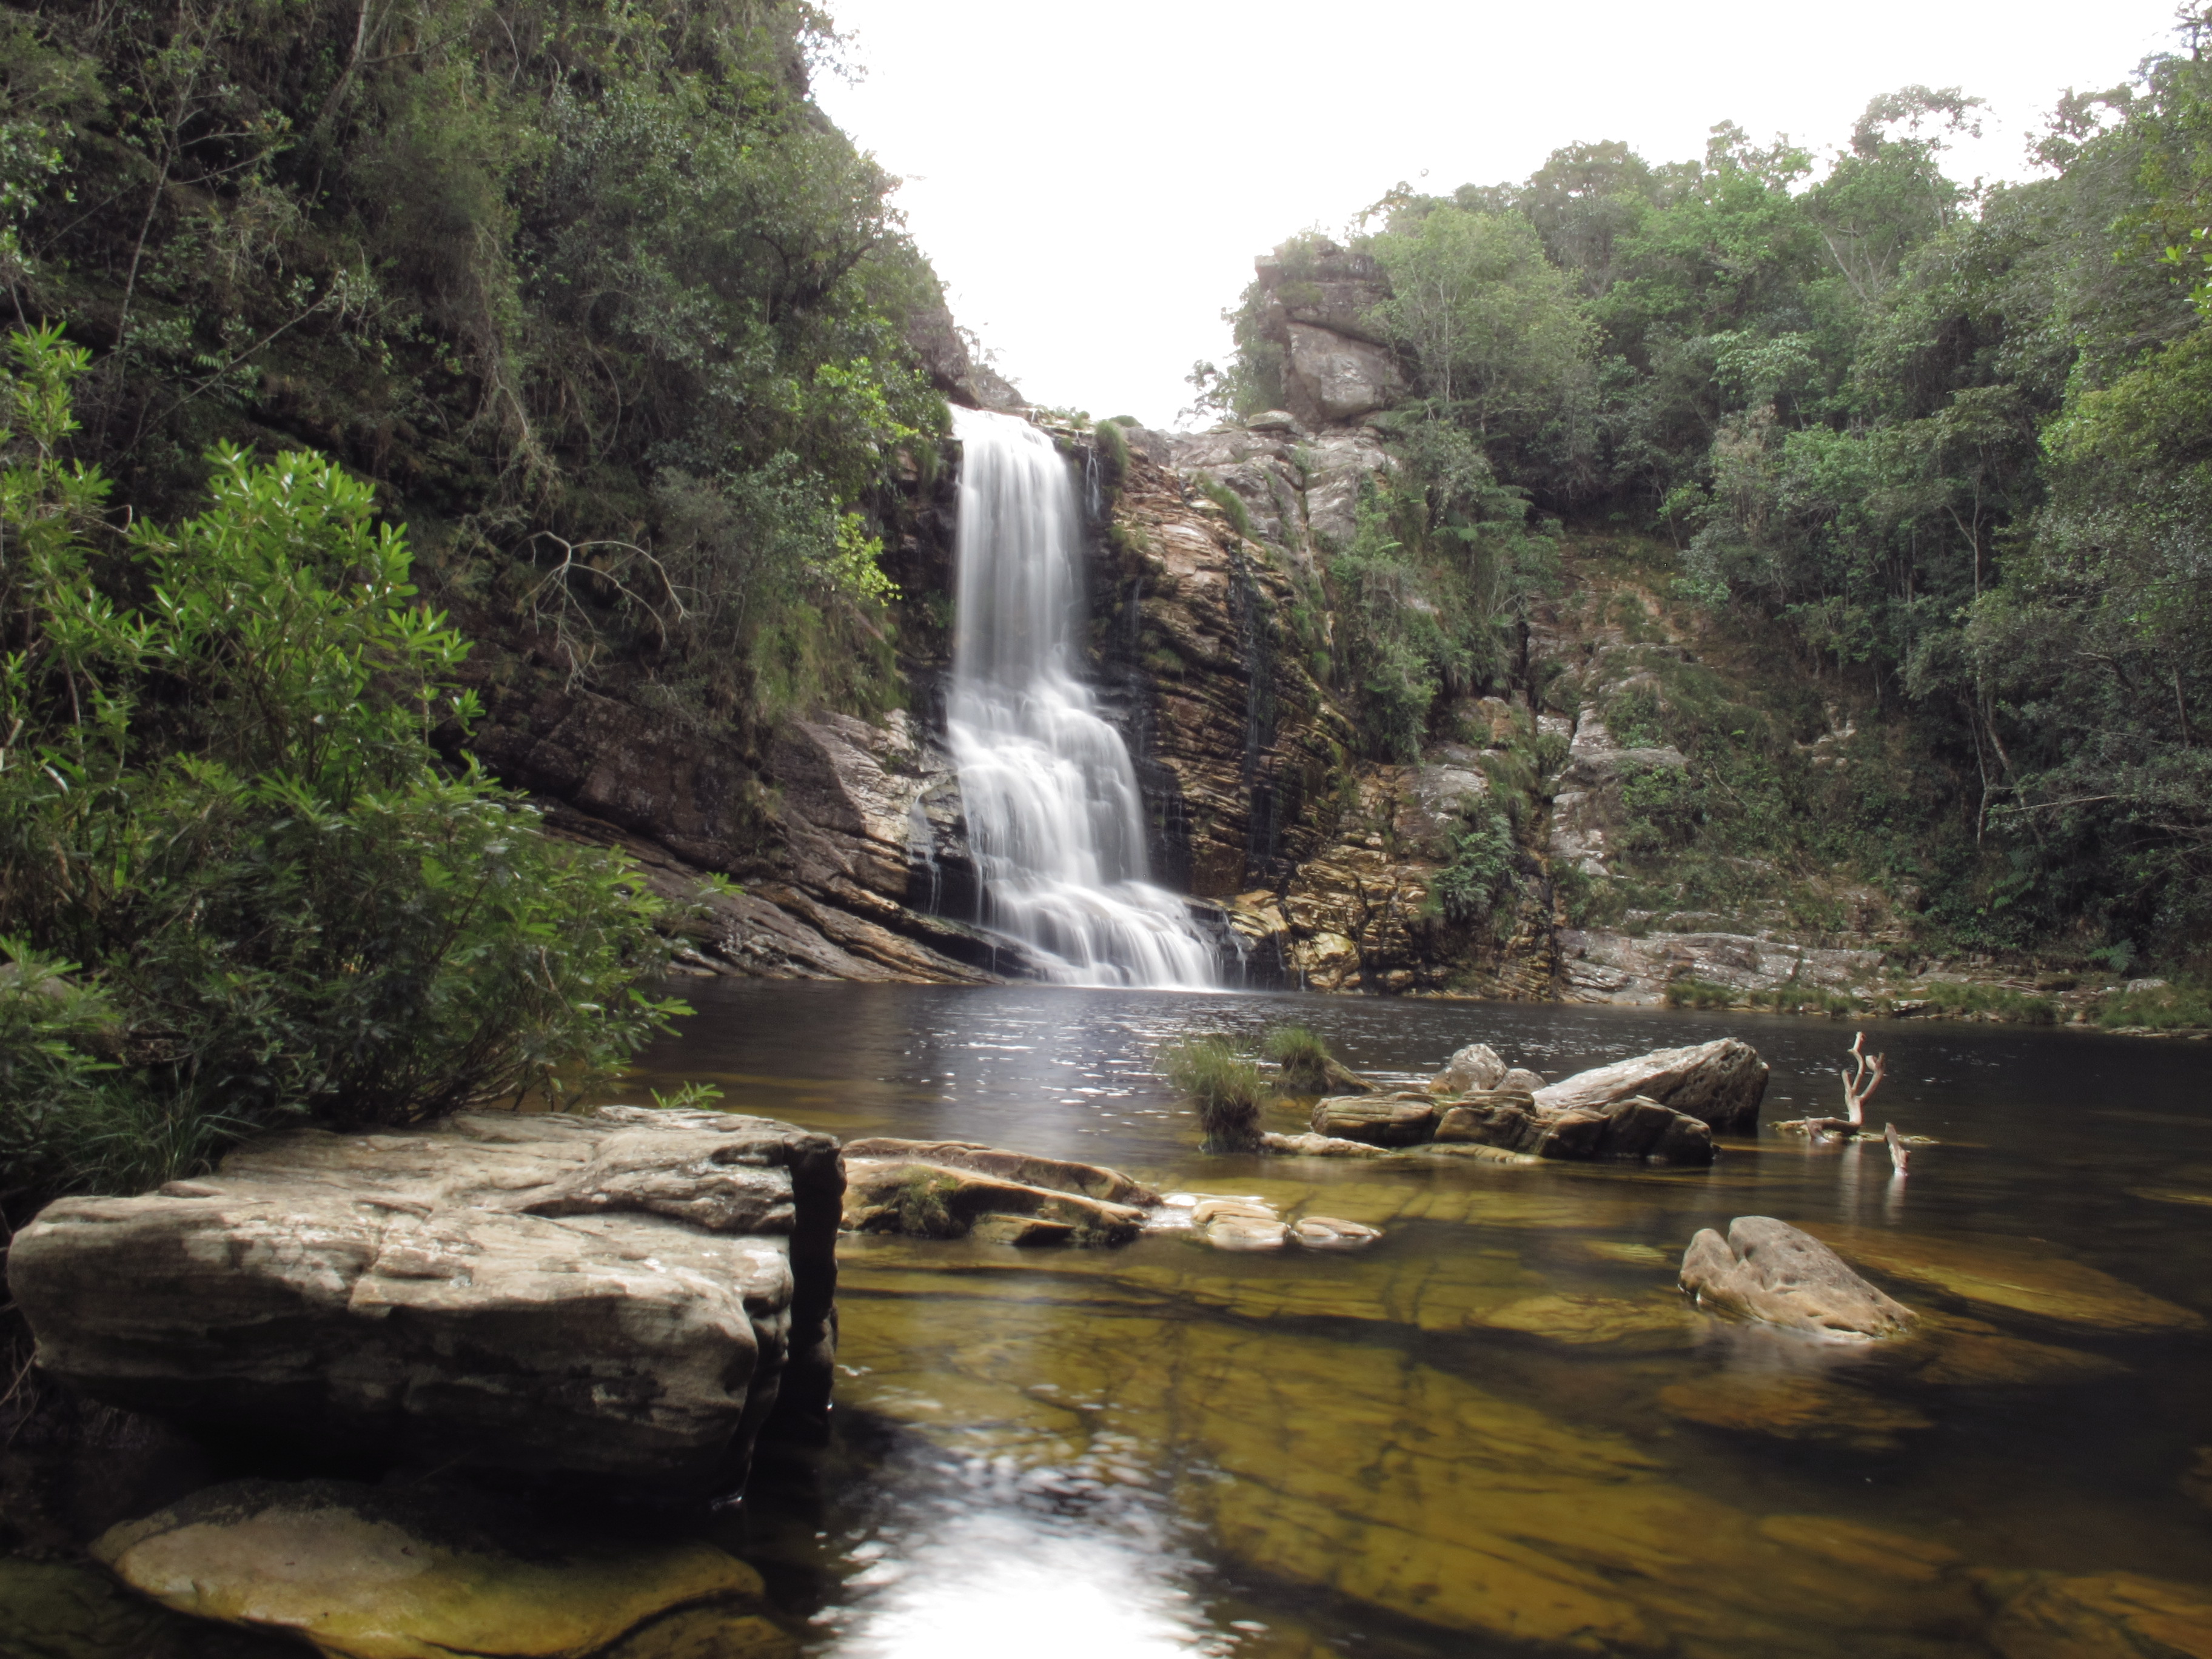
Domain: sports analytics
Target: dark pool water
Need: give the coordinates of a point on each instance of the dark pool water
(1498, 1430)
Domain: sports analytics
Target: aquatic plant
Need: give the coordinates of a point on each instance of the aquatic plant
(1303, 1057)
(922, 1211)
(1223, 1086)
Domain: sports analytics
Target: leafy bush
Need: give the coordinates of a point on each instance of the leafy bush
(227, 807)
(1482, 878)
(1303, 1057)
(1223, 1086)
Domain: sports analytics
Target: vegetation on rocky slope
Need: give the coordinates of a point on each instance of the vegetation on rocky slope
(1936, 446)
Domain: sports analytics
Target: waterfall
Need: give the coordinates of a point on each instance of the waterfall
(1055, 817)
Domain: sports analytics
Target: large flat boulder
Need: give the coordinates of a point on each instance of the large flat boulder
(625, 1294)
(1720, 1083)
(1769, 1271)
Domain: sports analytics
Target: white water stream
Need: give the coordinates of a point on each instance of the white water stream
(1054, 816)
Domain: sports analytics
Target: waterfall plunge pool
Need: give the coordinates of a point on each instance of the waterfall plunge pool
(1497, 1431)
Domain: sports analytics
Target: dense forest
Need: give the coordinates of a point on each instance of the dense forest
(588, 297)
(1950, 441)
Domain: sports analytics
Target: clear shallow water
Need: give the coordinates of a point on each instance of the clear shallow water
(1497, 1430)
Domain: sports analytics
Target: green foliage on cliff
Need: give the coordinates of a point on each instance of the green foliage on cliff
(1950, 439)
(590, 291)
(237, 885)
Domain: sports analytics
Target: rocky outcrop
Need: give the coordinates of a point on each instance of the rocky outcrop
(369, 1573)
(949, 1189)
(1769, 1271)
(1720, 1083)
(625, 1296)
(1377, 1120)
(1317, 307)
(1604, 965)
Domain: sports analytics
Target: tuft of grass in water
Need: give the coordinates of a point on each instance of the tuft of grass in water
(1806, 999)
(1223, 1086)
(2167, 1008)
(1960, 999)
(1303, 1056)
(922, 1211)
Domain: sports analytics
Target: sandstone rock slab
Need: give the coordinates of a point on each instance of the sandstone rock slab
(1314, 1146)
(924, 1199)
(1720, 1083)
(623, 1294)
(370, 1573)
(1769, 1271)
(1404, 1119)
(1064, 1175)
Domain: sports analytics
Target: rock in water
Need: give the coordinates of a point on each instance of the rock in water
(1520, 1080)
(1328, 1233)
(369, 1573)
(1397, 1119)
(1091, 1180)
(1767, 1270)
(622, 1294)
(1720, 1084)
(1475, 1067)
(1631, 1129)
(944, 1189)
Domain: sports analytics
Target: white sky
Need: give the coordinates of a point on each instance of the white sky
(1092, 182)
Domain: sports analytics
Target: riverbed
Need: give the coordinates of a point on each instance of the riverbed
(1498, 1430)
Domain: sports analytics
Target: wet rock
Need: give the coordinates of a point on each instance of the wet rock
(1789, 1406)
(1495, 1119)
(625, 1294)
(1631, 1129)
(1598, 1321)
(1769, 1271)
(1215, 1209)
(1719, 1082)
(2120, 1615)
(1404, 1119)
(1062, 1174)
(1245, 1232)
(2015, 1277)
(372, 1573)
(1986, 1358)
(1327, 1232)
(1022, 1231)
(1520, 1080)
(1476, 1068)
(927, 1199)
(1314, 1146)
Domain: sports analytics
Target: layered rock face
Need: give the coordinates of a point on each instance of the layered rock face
(1336, 366)
(628, 1295)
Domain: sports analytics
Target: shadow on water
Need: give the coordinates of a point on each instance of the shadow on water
(1499, 1426)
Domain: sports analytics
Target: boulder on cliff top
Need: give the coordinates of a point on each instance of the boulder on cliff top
(1769, 1271)
(1720, 1083)
(619, 1295)
(370, 1573)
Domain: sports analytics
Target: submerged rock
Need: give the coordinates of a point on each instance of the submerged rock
(624, 1294)
(1769, 1271)
(1245, 1232)
(924, 1198)
(1327, 1232)
(369, 1573)
(1314, 1146)
(2013, 1277)
(2119, 1615)
(1405, 1119)
(1721, 1083)
(1063, 1175)
(1789, 1406)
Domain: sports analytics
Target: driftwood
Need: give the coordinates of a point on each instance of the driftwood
(1899, 1157)
(1860, 1082)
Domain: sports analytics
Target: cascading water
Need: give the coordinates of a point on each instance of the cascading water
(1054, 816)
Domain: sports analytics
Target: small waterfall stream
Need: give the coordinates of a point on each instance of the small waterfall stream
(1054, 813)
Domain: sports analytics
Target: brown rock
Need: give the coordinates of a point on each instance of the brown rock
(935, 1200)
(1769, 1271)
(1243, 1232)
(1091, 1180)
(2119, 1615)
(1327, 1232)
(1719, 1082)
(1394, 1120)
(1475, 1068)
(1313, 1145)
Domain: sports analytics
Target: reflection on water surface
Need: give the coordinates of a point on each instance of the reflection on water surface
(1499, 1429)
